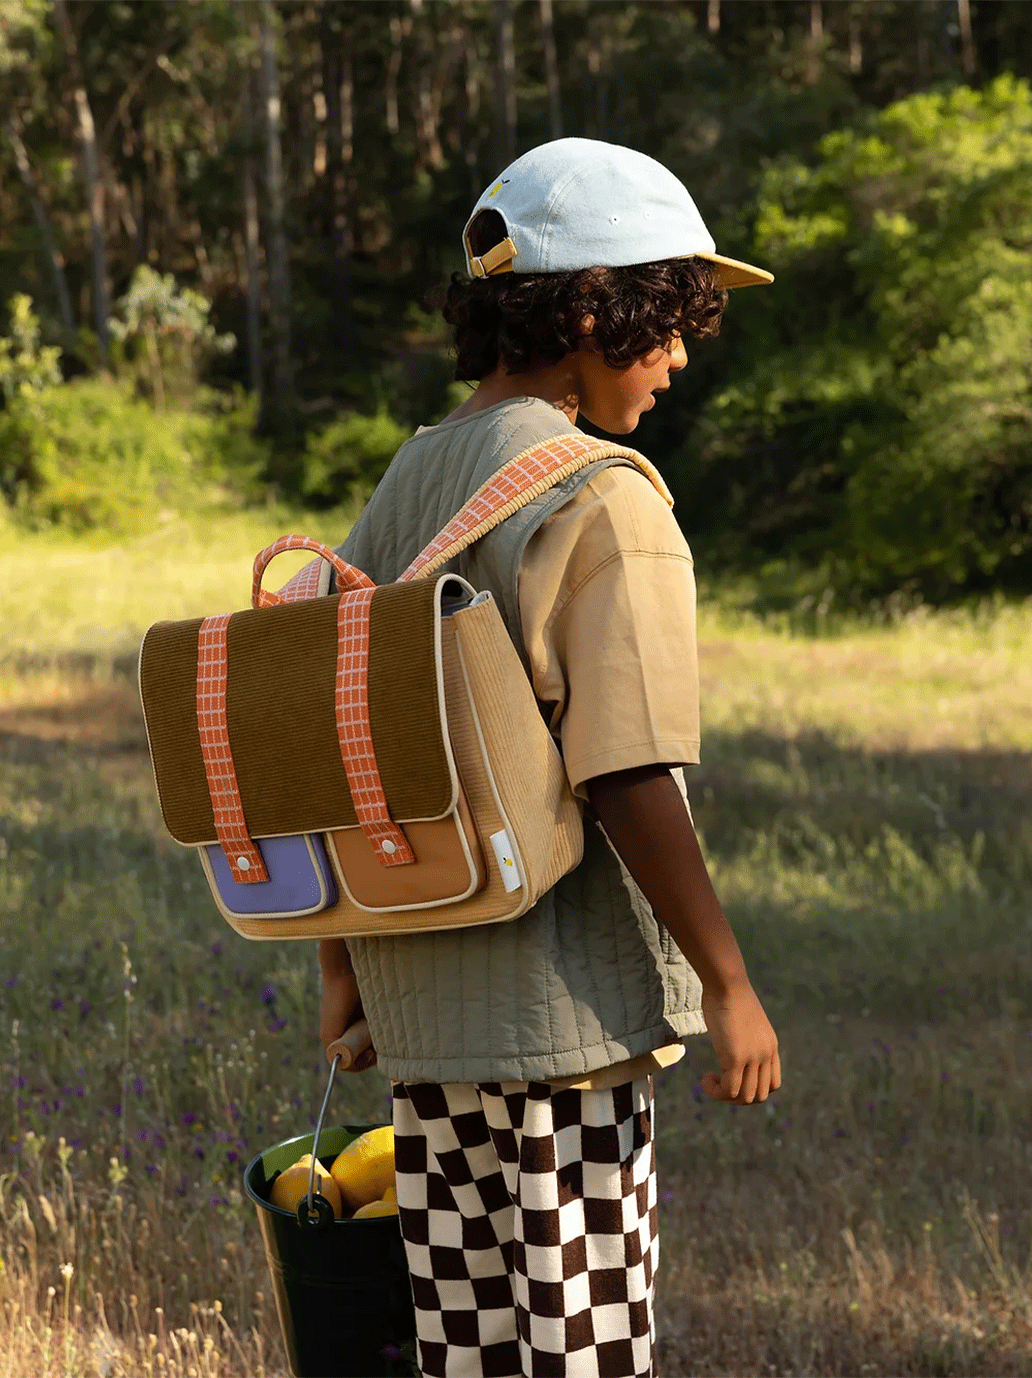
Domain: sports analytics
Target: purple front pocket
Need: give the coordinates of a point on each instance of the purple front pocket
(300, 878)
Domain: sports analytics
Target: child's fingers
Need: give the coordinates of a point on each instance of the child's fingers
(724, 1087)
(748, 1085)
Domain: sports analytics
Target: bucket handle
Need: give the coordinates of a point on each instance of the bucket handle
(314, 1212)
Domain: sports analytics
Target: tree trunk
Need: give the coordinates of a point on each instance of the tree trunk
(814, 42)
(967, 41)
(555, 110)
(856, 49)
(390, 89)
(39, 213)
(428, 88)
(252, 248)
(338, 84)
(275, 231)
(94, 182)
(505, 84)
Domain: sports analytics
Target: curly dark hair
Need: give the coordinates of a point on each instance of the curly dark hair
(529, 320)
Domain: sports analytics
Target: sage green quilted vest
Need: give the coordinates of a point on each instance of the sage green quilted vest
(586, 978)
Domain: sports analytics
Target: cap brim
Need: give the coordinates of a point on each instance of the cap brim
(731, 272)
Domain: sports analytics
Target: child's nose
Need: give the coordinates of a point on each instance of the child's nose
(678, 355)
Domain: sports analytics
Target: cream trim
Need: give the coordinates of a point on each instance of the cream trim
(232, 914)
(525, 901)
(471, 889)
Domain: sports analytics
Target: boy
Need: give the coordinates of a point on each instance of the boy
(521, 1054)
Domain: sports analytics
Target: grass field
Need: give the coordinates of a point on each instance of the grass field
(865, 803)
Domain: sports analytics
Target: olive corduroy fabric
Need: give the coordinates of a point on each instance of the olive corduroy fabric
(282, 725)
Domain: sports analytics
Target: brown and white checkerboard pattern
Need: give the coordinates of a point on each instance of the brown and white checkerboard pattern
(245, 860)
(530, 1224)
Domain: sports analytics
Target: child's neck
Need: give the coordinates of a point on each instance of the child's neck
(557, 384)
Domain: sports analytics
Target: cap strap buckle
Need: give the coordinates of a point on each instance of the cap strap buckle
(496, 260)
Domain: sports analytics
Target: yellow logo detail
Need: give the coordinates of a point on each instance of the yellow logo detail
(494, 190)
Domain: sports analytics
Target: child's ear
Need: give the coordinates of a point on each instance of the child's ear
(587, 325)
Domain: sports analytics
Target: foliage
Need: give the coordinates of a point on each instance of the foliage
(165, 331)
(349, 456)
(391, 128)
(26, 366)
(883, 428)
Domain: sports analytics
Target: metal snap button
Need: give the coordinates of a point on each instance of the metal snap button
(389, 847)
(243, 864)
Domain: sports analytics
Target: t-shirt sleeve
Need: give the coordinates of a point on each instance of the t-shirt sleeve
(607, 609)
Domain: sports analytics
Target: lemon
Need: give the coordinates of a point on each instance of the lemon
(292, 1184)
(365, 1169)
(391, 1194)
(384, 1207)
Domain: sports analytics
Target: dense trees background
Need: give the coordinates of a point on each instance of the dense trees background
(304, 169)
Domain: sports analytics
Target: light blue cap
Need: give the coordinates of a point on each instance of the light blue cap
(583, 203)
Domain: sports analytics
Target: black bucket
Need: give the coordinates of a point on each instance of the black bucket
(342, 1286)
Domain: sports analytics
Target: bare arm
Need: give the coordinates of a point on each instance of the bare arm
(644, 817)
(342, 1024)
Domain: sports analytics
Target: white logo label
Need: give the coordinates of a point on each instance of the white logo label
(503, 851)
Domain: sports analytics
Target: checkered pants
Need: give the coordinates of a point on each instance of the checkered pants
(530, 1226)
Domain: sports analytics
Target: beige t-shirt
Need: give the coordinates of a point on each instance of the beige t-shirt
(607, 608)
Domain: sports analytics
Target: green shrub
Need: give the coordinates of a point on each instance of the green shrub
(164, 338)
(88, 455)
(348, 457)
(883, 428)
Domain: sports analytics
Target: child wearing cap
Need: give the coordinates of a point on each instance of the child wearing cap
(522, 1054)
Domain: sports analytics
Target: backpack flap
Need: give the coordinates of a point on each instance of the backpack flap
(281, 691)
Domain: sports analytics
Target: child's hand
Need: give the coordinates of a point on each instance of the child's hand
(745, 1044)
(342, 1025)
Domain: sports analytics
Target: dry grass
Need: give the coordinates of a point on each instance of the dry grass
(864, 801)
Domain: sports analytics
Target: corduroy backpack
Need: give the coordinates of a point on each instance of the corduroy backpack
(374, 760)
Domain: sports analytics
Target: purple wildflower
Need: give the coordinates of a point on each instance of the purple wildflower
(188, 1119)
(390, 1352)
(666, 1196)
(56, 1003)
(268, 994)
(11, 981)
(151, 1169)
(139, 1085)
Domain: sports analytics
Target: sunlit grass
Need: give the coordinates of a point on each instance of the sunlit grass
(864, 800)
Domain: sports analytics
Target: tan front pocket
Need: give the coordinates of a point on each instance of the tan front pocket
(449, 864)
